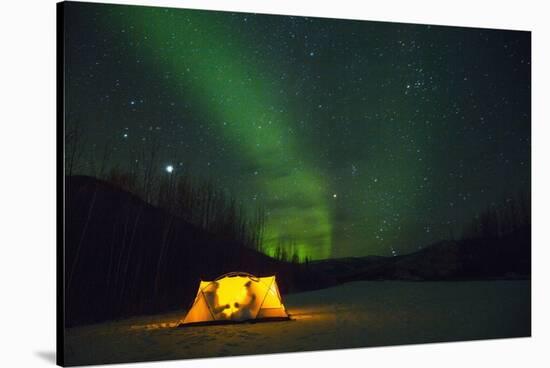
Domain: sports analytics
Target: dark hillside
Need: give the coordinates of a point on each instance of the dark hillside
(125, 257)
(496, 244)
(507, 257)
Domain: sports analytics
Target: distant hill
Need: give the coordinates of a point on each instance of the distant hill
(507, 257)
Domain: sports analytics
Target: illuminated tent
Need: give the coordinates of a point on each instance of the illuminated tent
(236, 297)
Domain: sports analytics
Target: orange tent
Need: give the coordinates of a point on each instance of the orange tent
(236, 297)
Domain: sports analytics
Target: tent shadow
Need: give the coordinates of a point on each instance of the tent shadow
(231, 322)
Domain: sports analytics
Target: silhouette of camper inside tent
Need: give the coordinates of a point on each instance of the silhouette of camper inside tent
(244, 309)
(212, 299)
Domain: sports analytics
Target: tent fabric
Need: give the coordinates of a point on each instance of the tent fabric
(236, 297)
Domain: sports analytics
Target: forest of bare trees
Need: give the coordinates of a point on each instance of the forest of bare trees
(509, 216)
(193, 199)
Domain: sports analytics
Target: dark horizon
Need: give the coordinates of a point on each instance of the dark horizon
(358, 138)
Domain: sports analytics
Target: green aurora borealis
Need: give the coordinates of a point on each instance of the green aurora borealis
(357, 137)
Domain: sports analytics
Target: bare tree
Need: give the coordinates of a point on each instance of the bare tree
(150, 159)
(74, 143)
(105, 157)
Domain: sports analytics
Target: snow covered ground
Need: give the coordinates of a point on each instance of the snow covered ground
(367, 313)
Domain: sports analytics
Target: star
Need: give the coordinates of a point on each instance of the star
(307, 112)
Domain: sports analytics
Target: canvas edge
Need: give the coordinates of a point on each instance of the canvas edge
(60, 184)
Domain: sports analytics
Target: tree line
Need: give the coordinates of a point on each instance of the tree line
(509, 216)
(195, 200)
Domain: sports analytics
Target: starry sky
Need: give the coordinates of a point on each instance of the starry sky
(357, 137)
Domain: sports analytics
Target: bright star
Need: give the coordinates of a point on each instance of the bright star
(169, 169)
(334, 195)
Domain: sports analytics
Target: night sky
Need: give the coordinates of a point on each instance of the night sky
(359, 138)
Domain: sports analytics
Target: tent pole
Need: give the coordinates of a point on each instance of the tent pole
(263, 300)
(208, 305)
